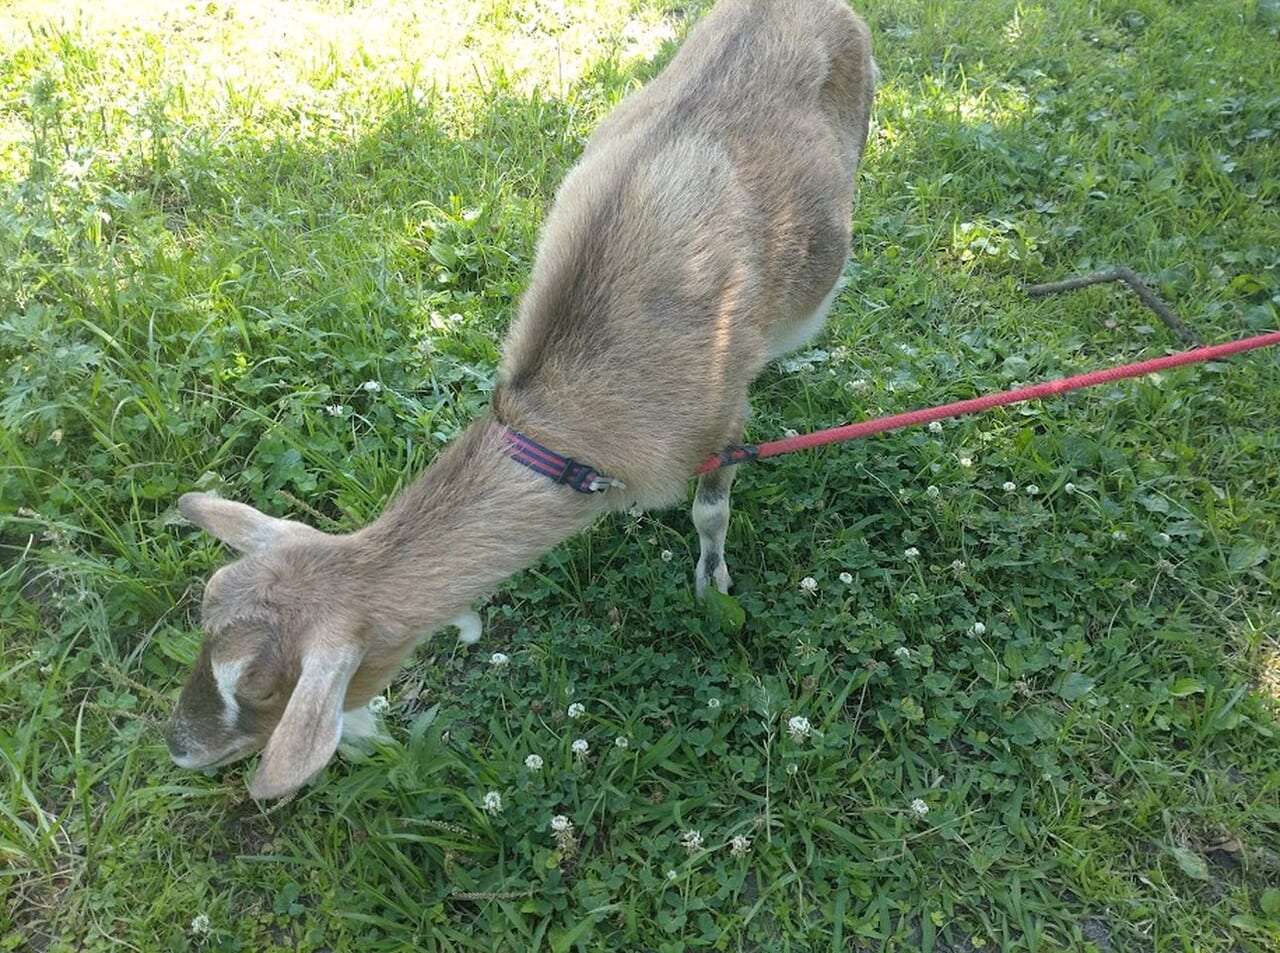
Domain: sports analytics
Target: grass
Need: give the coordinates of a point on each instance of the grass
(222, 220)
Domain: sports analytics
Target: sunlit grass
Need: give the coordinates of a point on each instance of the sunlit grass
(267, 68)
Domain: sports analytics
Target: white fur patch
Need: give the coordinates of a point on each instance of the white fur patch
(469, 627)
(359, 724)
(711, 518)
(227, 675)
(794, 335)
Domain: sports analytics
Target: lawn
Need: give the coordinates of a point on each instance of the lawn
(1010, 682)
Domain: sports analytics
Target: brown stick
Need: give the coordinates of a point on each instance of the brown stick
(1130, 278)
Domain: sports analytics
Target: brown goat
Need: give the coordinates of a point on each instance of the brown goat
(701, 235)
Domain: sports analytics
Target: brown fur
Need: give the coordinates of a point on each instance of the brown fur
(697, 239)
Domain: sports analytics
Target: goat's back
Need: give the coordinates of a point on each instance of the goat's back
(708, 218)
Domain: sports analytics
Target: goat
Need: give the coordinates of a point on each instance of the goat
(701, 235)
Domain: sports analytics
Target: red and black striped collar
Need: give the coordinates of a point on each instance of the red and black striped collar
(577, 476)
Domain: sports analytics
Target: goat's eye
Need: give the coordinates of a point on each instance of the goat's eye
(258, 694)
(259, 684)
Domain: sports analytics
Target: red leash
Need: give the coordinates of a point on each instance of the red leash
(866, 428)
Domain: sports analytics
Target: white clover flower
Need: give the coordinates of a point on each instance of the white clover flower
(1033, 490)
(739, 845)
(577, 710)
(580, 747)
(932, 492)
(788, 432)
(902, 652)
(713, 703)
(846, 578)
(672, 875)
(621, 742)
(499, 659)
(562, 829)
(977, 629)
(935, 426)
(1068, 488)
(200, 925)
(667, 555)
(1009, 486)
(378, 705)
(371, 387)
(919, 808)
(809, 585)
(334, 410)
(533, 762)
(910, 553)
(856, 384)
(799, 728)
(1119, 535)
(958, 566)
(966, 462)
(492, 803)
(691, 841)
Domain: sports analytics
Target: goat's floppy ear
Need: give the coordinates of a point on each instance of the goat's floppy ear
(310, 727)
(238, 525)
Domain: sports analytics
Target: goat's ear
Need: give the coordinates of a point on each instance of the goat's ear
(309, 730)
(238, 525)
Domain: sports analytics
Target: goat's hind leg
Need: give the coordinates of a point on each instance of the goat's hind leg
(711, 518)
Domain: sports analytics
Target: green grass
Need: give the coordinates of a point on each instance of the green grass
(216, 230)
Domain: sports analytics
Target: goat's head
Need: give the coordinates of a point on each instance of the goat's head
(278, 654)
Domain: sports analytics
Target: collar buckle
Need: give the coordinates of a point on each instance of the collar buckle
(559, 469)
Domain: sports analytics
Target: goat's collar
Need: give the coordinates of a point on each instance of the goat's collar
(577, 476)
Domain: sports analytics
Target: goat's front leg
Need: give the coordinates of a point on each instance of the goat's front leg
(711, 518)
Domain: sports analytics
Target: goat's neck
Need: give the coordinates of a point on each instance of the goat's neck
(471, 520)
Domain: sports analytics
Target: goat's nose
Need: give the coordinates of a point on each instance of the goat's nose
(177, 750)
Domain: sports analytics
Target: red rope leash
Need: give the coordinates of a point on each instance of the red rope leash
(882, 424)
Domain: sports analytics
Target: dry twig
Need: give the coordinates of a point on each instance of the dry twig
(1130, 278)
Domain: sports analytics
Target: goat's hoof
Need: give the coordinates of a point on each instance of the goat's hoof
(702, 579)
